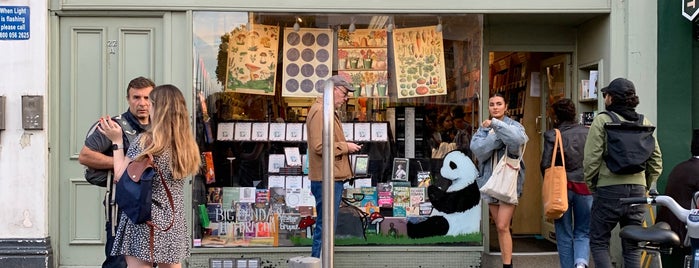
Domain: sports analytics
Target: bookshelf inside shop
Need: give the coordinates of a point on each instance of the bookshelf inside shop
(508, 76)
(588, 93)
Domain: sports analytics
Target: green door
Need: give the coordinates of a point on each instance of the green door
(98, 57)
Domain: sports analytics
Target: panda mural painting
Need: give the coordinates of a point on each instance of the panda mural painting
(456, 210)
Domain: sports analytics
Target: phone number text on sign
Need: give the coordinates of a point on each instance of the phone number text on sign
(14, 22)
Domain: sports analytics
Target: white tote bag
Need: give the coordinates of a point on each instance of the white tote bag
(502, 184)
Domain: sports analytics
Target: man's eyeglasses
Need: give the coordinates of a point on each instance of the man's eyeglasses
(345, 93)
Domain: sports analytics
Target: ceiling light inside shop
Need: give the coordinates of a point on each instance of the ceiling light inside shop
(352, 27)
(439, 25)
(297, 26)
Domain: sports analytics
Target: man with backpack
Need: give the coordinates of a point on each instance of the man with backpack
(613, 169)
(96, 154)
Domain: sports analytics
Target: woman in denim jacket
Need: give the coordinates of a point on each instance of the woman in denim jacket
(495, 136)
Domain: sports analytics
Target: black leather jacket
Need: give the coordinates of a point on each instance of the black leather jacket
(573, 136)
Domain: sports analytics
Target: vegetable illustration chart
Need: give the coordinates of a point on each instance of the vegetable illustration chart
(307, 61)
(419, 68)
(252, 59)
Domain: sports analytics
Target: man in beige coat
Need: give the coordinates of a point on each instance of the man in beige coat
(342, 149)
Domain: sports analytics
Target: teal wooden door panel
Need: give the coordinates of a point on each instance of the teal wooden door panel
(98, 57)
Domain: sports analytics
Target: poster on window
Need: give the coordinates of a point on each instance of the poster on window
(252, 59)
(419, 56)
(307, 61)
(362, 60)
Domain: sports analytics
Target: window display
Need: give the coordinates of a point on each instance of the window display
(257, 74)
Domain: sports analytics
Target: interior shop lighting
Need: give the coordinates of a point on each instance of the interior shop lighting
(297, 26)
(439, 25)
(352, 27)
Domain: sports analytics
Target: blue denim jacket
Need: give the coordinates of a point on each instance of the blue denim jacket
(501, 134)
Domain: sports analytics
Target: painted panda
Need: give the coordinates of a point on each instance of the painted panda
(457, 210)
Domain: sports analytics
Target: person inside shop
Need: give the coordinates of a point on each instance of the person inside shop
(497, 136)
(463, 130)
(573, 228)
(447, 130)
(607, 187)
(341, 151)
(176, 155)
(96, 154)
(682, 183)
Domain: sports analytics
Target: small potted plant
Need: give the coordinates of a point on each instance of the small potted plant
(342, 56)
(381, 83)
(357, 83)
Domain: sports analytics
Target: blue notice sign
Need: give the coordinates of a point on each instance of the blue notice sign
(14, 23)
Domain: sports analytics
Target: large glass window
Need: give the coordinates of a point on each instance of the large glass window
(416, 79)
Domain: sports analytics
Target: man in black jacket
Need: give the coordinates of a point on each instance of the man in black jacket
(682, 183)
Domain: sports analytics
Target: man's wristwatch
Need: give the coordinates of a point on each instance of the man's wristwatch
(117, 147)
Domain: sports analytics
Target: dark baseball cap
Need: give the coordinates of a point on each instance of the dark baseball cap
(338, 81)
(620, 87)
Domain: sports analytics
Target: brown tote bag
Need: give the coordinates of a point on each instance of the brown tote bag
(555, 191)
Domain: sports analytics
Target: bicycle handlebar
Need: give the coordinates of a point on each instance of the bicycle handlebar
(663, 200)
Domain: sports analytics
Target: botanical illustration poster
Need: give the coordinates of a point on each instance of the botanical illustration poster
(419, 56)
(362, 57)
(308, 61)
(252, 59)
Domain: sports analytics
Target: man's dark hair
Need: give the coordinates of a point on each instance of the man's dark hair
(564, 109)
(139, 82)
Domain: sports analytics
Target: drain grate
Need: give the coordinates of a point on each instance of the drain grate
(235, 263)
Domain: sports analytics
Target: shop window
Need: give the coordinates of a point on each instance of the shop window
(416, 78)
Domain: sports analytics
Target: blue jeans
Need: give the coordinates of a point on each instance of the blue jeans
(317, 190)
(607, 211)
(573, 231)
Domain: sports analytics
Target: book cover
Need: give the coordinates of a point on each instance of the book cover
(385, 194)
(209, 167)
(214, 195)
(225, 131)
(230, 196)
(277, 200)
(354, 195)
(261, 198)
(247, 195)
(417, 196)
(401, 201)
(370, 201)
(213, 211)
(394, 227)
(293, 197)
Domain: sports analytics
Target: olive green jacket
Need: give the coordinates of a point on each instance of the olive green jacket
(596, 172)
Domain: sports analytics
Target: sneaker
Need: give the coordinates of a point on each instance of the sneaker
(580, 265)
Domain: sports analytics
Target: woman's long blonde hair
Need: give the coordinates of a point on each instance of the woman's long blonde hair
(170, 129)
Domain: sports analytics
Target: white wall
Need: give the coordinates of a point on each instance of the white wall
(24, 153)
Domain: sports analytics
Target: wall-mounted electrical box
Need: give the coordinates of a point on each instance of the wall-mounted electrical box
(2, 112)
(32, 112)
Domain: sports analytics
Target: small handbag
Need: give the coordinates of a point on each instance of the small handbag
(134, 195)
(502, 184)
(554, 193)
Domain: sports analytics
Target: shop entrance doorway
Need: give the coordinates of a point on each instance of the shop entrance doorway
(529, 81)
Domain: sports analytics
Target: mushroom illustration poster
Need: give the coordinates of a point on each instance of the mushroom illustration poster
(307, 61)
(419, 68)
(362, 57)
(252, 59)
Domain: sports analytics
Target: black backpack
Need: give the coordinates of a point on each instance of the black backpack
(629, 145)
(99, 176)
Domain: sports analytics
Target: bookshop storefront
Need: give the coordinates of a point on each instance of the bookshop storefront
(421, 75)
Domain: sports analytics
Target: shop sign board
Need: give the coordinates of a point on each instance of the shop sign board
(689, 9)
(14, 23)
